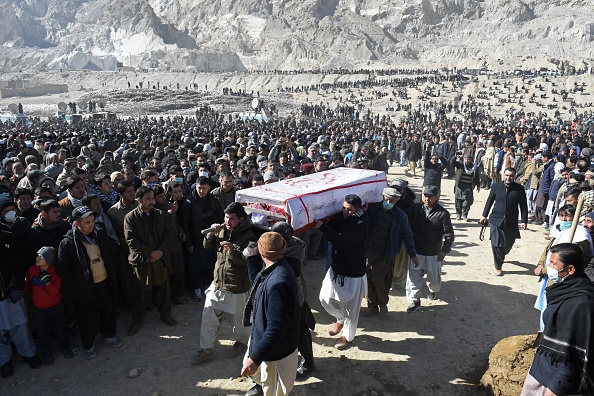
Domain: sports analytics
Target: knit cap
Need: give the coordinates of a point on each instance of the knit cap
(47, 254)
(271, 245)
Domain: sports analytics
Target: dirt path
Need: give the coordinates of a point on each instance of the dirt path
(441, 349)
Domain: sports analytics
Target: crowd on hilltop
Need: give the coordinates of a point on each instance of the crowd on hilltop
(99, 218)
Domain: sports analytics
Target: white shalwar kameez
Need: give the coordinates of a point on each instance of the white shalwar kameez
(343, 300)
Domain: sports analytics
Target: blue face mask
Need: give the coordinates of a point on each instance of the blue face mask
(151, 184)
(179, 179)
(553, 275)
(387, 205)
(565, 225)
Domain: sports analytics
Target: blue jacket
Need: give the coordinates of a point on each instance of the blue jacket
(400, 231)
(274, 307)
(548, 173)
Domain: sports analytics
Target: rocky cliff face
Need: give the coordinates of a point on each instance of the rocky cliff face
(227, 35)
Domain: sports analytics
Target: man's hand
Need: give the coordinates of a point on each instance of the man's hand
(217, 229)
(155, 256)
(249, 367)
(538, 269)
(440, 256)
(483, 220)
(524, 226)
(549, 392)
(318, 224)
(228, 246)
(174, 206)
(415, 261)
(182, 237)
(190, 249)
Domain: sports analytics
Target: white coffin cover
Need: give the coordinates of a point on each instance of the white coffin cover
(307, 198)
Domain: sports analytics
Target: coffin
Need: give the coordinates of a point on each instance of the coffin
(304, 199)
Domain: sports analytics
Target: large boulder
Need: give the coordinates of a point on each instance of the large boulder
(509, 362)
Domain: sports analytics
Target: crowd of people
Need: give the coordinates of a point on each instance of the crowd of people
(102, 220)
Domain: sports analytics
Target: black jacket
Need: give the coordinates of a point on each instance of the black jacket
(193, 217)
(13, 263)
(74, 267)
(507, 201)
(348, 236)
(432, 233)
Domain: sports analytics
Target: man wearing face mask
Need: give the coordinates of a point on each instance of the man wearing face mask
(176, 175)
(581, 238)
(388, 231)
(563, 364)
(13, 313)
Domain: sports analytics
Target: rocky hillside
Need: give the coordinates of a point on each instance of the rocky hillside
(237, 35)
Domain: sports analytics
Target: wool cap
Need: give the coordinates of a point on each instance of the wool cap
(272, 245)
(391, 192)
(47, 254)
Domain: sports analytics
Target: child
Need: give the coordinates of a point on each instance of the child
(47, 299)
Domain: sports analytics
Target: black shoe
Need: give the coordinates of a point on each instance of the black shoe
(47, 360)
(33, 361)
(304, 371)
(6, 370)
(178, 301)
(413, 306)
(256, 390)
(238, 349)
(69, 353)
(370, 311)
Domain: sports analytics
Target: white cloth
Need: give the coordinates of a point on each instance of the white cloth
(344, 302)
(12, 314)
(216, 303)
(581, 234)
(277, 378)
(414, 279)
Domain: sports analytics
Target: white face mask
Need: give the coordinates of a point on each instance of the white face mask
(10, 216)
(205, 174)
(553, 275)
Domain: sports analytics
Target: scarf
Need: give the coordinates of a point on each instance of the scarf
(569, 333)
(471, 171)
(81, 253)
(43, 223)
(75, 202)
(110, 198)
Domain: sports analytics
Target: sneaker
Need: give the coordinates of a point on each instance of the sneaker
(432, 296)
(458, 216)
(370, 311)
(198, 295)
(545, 225)
(69, 353)
(413, 306)
(237, 350)
(114, 342)
(465, 218)
(203, 356)
(90, 353)
(47, 360)
(32, 361)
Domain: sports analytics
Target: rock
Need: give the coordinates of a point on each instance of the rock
(373, 393)
(509, 362)
(135, 372)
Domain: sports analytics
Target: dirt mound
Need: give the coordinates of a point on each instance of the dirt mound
(509, 362)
